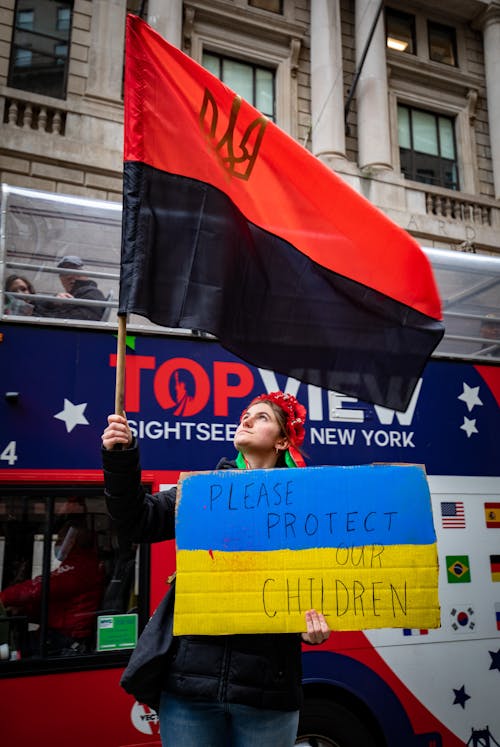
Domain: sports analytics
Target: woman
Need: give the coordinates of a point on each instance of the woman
(18, 284)
(241, 688)
(16, 305)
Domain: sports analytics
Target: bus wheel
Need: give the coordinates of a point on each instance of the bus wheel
(324, 723)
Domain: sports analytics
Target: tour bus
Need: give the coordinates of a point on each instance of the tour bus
(66, 634)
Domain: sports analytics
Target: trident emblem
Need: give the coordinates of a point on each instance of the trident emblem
(238, 164)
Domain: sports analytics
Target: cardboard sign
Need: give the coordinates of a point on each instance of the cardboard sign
(257, 549)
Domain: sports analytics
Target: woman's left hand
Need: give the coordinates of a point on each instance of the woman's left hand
(318, 630)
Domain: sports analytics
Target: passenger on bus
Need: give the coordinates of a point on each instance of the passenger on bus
(75, 591)
(76, 286)
(16, 305)
(245, 688)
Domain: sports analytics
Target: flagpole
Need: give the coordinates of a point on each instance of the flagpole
(120, 365)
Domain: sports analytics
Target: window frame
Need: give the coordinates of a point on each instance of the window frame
(53, 490)
(254, 66)
(38, 37)
(63, 23)
(18, 13)
(278, 52)
(413, 29)
(267, 10)
(439, 159)
(423, 17)
(60, 57)
(436, 25)
(18, 57)
(432, 86)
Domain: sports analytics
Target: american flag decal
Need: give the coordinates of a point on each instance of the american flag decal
(453, 515)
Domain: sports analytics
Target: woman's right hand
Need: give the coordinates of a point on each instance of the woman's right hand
(116, 432)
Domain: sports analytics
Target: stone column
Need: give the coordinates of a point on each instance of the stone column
(106, 49)
(327, 96)
(165, 16)
(491, 34)
(372, 100)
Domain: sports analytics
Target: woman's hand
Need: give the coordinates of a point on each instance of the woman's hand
(318, 630)
(117, 432)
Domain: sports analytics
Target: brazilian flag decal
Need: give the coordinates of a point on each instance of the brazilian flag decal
(458, 569)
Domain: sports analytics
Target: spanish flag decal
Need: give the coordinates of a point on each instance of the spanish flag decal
(492, 515)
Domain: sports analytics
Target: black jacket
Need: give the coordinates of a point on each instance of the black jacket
(259, 670)
(84, 289)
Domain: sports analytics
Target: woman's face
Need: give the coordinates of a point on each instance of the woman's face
(19, 286)
(259, 430)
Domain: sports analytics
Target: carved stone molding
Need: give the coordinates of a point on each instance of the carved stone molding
(189, 16)
(295, 45)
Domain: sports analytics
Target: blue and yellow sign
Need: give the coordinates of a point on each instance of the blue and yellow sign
(257, 549)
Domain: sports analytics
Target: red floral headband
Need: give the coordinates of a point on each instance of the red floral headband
(295, 412)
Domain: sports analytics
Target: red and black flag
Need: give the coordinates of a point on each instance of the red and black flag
(230, 226)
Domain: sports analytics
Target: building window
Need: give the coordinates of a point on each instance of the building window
(274, 6)
(25, 19)
(442, 43)
(138, 7)
(62, 566)
(400, 31)
(61, 53)
(427, 147)
(63, 19)
(39, 56)
(253, 83)
(23, 57)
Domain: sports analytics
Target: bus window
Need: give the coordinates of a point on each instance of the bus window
(61, 257)
(60, 568)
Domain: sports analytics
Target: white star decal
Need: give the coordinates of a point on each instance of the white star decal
(470, 396)
(72, 415)
(469, 427)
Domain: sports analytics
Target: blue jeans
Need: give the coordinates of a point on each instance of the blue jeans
(187, 723)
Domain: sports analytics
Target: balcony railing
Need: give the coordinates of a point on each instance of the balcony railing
(28, 116)
(464, 210)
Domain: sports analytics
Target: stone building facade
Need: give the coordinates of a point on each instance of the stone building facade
(421, 138)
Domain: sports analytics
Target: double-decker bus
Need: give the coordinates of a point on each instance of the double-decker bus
(73, 598)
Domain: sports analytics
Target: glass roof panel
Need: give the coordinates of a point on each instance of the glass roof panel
(469, 285)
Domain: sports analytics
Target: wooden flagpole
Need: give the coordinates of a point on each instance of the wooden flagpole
(120, 366)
